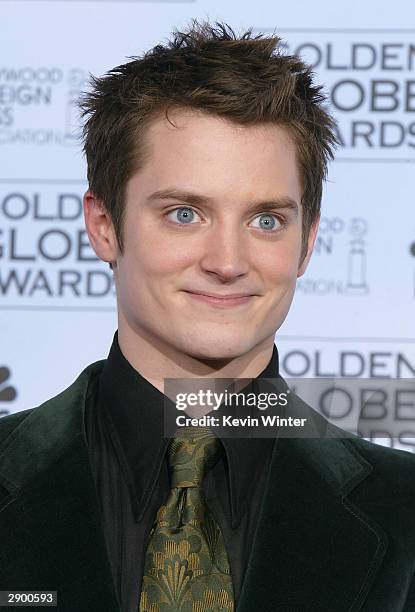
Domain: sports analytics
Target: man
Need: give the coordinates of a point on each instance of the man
(206, 159)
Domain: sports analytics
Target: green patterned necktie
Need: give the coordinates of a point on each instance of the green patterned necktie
(186, 564)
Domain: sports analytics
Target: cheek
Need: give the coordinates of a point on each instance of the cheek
(280, 267)
(152, 255)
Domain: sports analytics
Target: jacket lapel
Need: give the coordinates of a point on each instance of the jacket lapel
(313, 549)
(49, 509)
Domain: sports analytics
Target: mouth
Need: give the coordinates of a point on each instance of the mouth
(221, 301)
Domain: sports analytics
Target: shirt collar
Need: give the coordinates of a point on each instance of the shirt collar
(136, 421)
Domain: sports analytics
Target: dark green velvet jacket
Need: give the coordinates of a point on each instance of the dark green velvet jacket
(336, 532)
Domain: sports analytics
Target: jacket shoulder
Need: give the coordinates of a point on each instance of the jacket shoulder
(389, 467)
(383, 457)
(11, 423)
(375, 454)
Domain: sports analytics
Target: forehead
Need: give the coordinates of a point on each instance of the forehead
(197, 149)
(197, 128)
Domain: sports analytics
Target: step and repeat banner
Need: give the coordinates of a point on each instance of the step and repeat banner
(353, 313)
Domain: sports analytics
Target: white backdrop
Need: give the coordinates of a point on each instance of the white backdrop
(353, 313)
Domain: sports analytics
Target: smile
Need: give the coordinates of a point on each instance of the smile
(222, 302)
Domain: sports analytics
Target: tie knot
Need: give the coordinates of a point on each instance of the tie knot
(191, 456)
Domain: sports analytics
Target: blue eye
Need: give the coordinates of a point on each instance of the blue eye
(185, 215)
(268, 222)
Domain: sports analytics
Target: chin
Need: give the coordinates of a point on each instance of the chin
(216, 348)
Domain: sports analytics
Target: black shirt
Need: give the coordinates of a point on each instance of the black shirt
(128, 455)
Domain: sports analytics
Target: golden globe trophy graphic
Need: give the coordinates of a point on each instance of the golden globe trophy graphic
(356, 264)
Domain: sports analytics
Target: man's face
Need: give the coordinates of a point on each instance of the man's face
(216, 211)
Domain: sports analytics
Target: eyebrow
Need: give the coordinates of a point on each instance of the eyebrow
(194, 198)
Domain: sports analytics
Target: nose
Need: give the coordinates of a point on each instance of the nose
(225, 252)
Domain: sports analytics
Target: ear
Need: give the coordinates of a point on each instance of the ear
(310, 245)
(100, 228)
